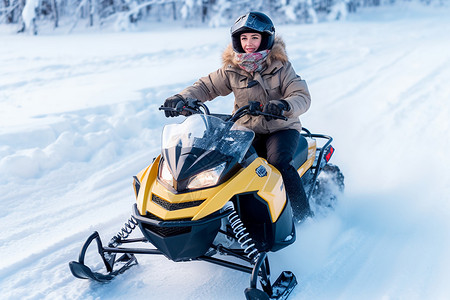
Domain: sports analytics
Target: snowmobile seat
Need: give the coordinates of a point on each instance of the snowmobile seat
(301, 154)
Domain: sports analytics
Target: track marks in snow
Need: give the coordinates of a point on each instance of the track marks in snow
(47, 69)
(83, 159)
(78, 137)
(430, 99)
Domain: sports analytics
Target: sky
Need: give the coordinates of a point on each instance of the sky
(79, 118)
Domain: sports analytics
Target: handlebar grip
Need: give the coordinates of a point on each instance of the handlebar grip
(166, 108)
(180, 110)
(273, 116)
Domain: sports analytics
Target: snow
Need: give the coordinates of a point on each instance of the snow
(79, 118)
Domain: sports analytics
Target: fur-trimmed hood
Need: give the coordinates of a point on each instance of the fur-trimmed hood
(277, 53)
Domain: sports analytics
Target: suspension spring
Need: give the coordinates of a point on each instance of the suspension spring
(124, 232)
(242, 236)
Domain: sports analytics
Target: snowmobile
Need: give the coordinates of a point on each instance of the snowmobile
(209, 197)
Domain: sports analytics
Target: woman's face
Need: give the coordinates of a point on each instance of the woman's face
(250, 42)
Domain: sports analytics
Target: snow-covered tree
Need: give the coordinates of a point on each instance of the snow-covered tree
(126, 13)
(29, 16)
(338, 11)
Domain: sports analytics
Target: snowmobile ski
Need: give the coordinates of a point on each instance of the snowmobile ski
(113, 266)
(284, 285)
(83, 272)
(280, 290)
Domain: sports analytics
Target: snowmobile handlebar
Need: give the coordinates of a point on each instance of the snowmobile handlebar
(254, 108)
(192, 106)
(189, 107)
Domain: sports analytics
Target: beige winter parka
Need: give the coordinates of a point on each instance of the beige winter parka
(277, 81)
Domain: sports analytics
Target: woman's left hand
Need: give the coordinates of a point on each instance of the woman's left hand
(275, 107)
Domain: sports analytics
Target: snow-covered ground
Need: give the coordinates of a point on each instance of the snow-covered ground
(79, 118)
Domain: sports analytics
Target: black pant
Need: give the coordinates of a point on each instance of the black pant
(279, 149)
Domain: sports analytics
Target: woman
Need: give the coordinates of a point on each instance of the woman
(256, 68)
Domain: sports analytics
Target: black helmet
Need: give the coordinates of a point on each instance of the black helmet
(253, 22)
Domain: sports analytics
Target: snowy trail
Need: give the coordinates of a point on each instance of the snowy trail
(80, 118)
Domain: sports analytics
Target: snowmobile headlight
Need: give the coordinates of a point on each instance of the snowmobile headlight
(164, 173)
(206, 178)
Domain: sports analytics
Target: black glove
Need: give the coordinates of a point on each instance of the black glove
(275, 107)
(176, 102)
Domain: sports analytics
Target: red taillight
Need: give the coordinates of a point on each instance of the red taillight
(329, 154)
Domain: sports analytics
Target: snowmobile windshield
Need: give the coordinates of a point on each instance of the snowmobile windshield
(209, 133)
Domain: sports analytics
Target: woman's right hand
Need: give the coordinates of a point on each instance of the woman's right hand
(176, 102)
